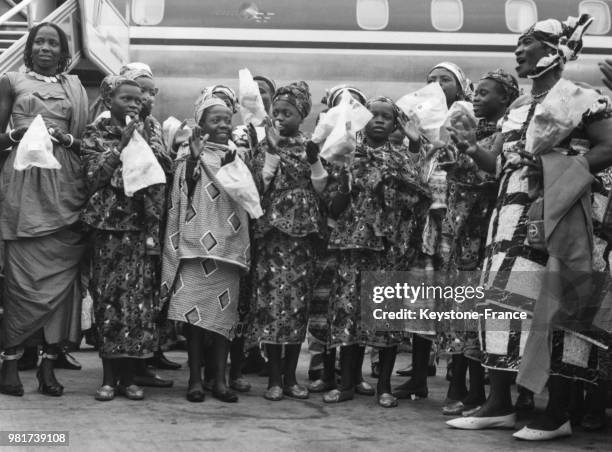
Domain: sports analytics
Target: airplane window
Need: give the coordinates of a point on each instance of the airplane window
(447, 15)
(600, 11)
(372, 14)
(147, 12)
(520, 15)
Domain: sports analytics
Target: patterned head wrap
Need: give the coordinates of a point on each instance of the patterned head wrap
(136, 70)
(564, 37)
(298, 95)
(507, 81)
(267, 81)
(386, 100)
(467, 88)
(206, 100)
(334, 93)
(109, 85)
(229, 94)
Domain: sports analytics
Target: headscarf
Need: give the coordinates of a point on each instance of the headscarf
(206, 100)
(467, 88)
(506, 80)
(267, 81)
(298, 95)
(214, 90)
(564, 37)
(136, 70)
(334, 93)
(386, 100)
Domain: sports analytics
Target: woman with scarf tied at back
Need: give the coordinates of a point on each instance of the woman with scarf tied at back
(290, 176)
(470, 196)
(39, 210)
(436, 241)
(563, 351)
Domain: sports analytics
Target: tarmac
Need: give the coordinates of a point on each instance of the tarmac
(165, 421)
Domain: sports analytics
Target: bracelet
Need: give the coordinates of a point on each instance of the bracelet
(71, 141)
(10, 135)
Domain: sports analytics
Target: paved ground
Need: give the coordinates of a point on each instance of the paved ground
(165, 421)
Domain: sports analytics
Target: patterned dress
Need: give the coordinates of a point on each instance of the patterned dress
(124, 276)
(470, 197)
(206, 246)
(285, 255)
(513, 267)
(378, 231)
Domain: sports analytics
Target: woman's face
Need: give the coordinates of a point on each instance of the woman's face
(528, 52)
(217, 123)
(489, 100)
(125, 101)
(46, 50)
(149, 91)
(447, 82)
(382, 123)
(286, 117)
(266, 94)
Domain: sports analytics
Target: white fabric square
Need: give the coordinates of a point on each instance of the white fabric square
(497, 336)
(516, 183)
(576, 351)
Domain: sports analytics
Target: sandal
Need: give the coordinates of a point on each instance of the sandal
(225, 396)
(105, 393)
(275, 393)
(337, 396)
(387, 400)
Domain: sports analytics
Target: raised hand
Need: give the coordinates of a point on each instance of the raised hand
(197, 142)
(229, 157)
(272, 135)
(312, 152)
(126, 135)
(606, 69)
(17, 134)
(252, 134)
(410, 125)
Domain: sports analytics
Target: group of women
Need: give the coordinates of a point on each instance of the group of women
(186, 252)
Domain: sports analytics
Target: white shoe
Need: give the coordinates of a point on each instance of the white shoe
(530, 434)
(480, 423)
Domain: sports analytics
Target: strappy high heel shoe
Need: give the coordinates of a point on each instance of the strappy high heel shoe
(53, 389)
(12, 390)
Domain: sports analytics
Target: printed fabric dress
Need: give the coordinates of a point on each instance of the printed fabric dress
(378, 231)
(207, 246)
(509, 254)
(125, 276)
(285, 237)
(470, 197)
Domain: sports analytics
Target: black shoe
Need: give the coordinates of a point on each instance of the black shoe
(53, 389)
(12, 390)
(407, 372)
(227, 396)
(161, 362)
(195, 394)
(66, 361)
(408, 390)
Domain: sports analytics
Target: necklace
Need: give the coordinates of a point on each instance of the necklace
(539, 95)
(44, 78)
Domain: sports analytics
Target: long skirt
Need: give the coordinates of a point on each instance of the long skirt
(42, 289)
(283, 282)
(125, 291)
(206, 294)
(512, 273)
